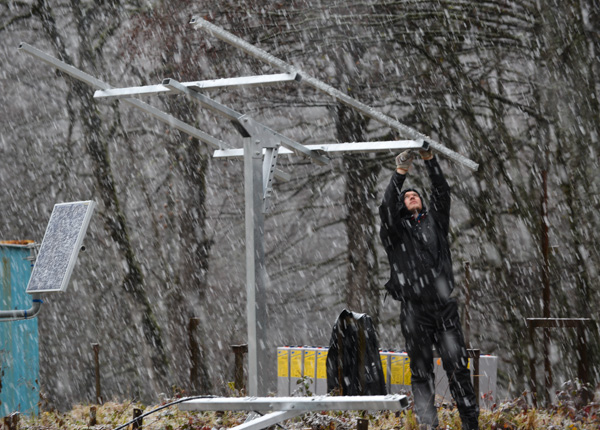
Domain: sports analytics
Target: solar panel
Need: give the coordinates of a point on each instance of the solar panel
(60, 247)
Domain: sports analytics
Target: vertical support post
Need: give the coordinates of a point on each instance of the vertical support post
(96, 349)
(194, 353)
(255, 268)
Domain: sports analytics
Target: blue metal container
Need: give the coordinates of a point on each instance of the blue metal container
(19, 346)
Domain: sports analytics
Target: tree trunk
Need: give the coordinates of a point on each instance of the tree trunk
(362, 291)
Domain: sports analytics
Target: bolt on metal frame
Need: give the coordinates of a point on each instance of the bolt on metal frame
(261, 148)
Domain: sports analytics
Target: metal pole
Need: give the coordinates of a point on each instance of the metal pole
(255, 269)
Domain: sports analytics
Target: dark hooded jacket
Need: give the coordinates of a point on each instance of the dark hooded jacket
(417, 248)
(353, 363)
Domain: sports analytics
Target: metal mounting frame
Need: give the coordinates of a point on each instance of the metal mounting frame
(262, 146)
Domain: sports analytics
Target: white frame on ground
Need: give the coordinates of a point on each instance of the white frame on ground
(285, 408)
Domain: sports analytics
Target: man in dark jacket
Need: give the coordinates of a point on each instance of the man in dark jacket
(416, 242)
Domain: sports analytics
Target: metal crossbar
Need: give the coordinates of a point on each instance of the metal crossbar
(149, 90)
(392, 146)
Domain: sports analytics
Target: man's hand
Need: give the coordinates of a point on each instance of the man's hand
(426, 155)
(403, 162)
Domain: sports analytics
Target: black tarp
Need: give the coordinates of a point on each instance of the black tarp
(353, 361)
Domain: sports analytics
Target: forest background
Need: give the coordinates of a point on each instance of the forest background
(511, 84)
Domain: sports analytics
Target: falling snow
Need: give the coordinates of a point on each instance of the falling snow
(511, 85)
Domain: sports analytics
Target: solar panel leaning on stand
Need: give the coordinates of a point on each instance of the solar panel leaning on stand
(60, 247)
(57, 256)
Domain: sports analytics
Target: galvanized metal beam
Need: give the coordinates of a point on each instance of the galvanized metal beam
(361, 147)
(252, 50)
(258, 357)
(245, 81)
(391, 402)
(98, 84)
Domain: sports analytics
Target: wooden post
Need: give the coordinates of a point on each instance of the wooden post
(194, 354)
(475, 354)
(93, 420)
(532, 371)
(583, 365)
(548, 382)
(137, 424)
(96, 349)
(362, 424)
(467, 305)
(11, 422)
(239, 351)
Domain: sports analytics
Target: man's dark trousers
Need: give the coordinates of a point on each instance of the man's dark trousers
(426, 325)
